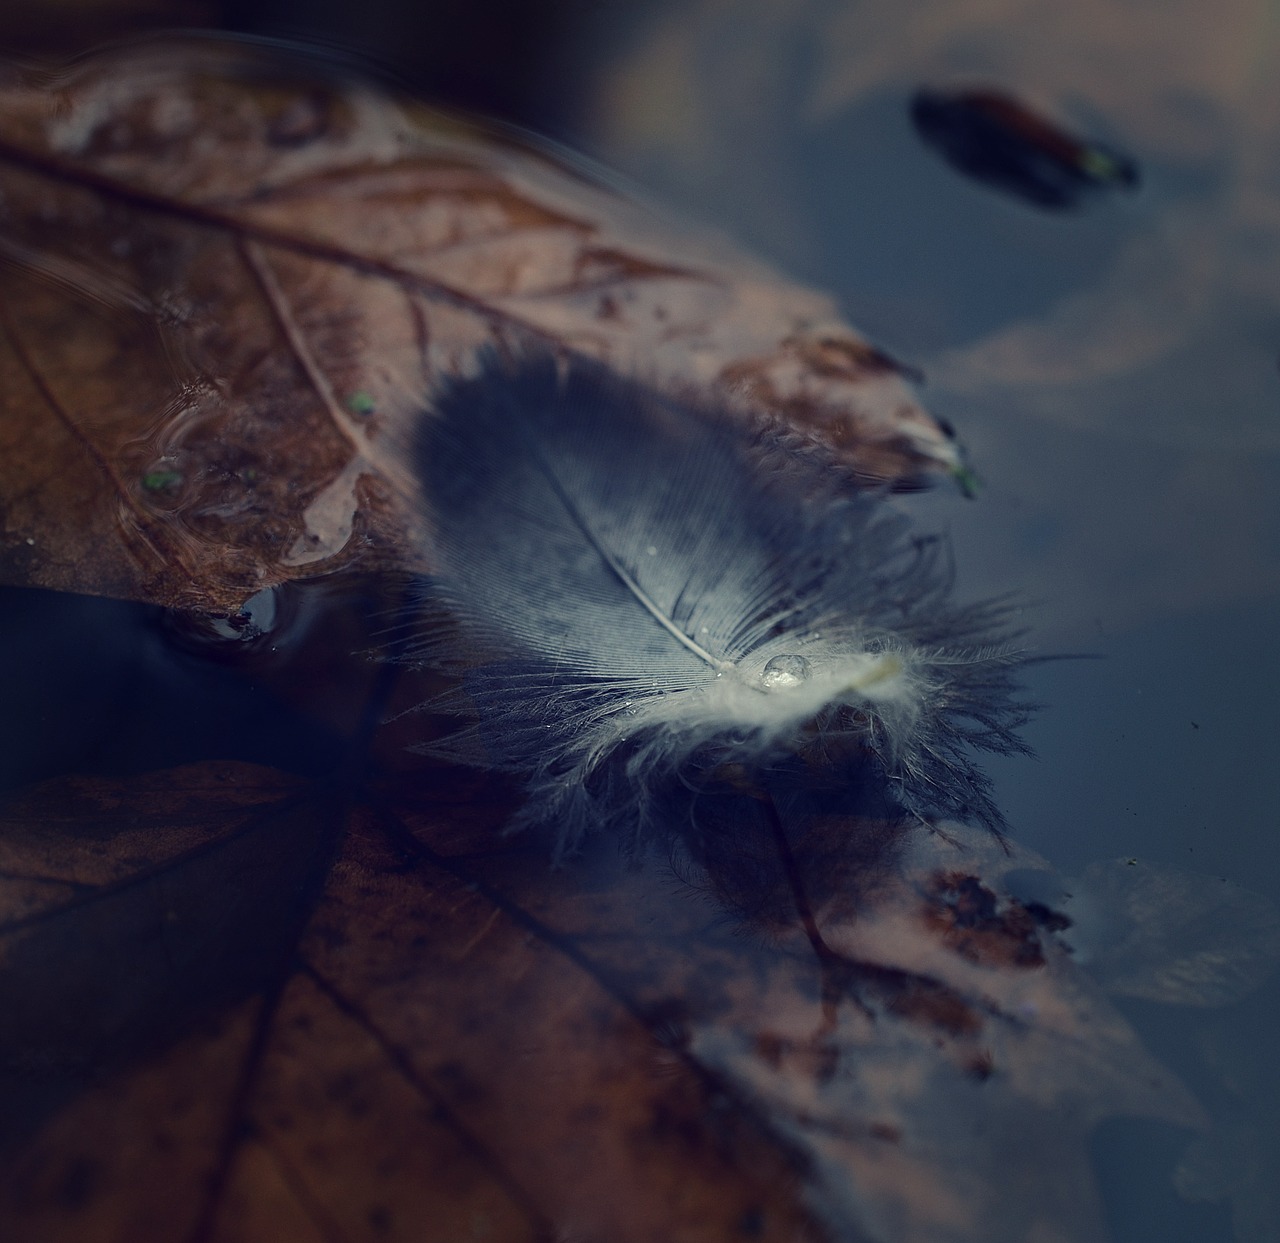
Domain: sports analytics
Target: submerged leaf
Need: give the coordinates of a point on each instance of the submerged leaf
(427, 1061)
(1172, 936)
(230, 282)
(994, 138)
(957, 1102)
(240, 1006)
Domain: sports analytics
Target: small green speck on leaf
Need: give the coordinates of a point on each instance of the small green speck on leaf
(161, 480)
(361, 402)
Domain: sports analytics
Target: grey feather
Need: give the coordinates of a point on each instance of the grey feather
(632, 587)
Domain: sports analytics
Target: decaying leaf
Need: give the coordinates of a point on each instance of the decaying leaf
(240, 1006)
(229, 284)
(957, 1105)
(428, 1061)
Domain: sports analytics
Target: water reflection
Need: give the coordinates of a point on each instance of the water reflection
(1141, 338)
(1114, 377)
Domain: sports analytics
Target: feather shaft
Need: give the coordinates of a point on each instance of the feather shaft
(638, 588)
(643, 598)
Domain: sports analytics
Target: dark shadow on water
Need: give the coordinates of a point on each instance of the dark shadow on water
(106, 686)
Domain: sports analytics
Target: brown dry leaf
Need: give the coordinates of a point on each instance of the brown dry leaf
(228, 284)
(236, 1006)
(427, 1061)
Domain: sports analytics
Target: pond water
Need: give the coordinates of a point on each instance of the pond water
(1113, 375)
(1113, 372)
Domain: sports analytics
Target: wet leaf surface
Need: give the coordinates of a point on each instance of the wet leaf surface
(230, 283)
(427, 1060)
(238, 1004)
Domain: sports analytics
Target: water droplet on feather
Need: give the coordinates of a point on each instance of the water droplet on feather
(784, 672)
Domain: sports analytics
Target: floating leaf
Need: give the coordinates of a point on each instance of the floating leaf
(230, 283)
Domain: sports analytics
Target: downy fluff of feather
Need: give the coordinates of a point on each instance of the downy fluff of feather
(633, 588)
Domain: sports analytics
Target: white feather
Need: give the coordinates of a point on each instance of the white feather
(633, 587)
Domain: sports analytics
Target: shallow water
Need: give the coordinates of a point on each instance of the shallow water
(1113, 372)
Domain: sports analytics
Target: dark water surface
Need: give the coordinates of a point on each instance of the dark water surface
(1113, 372)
